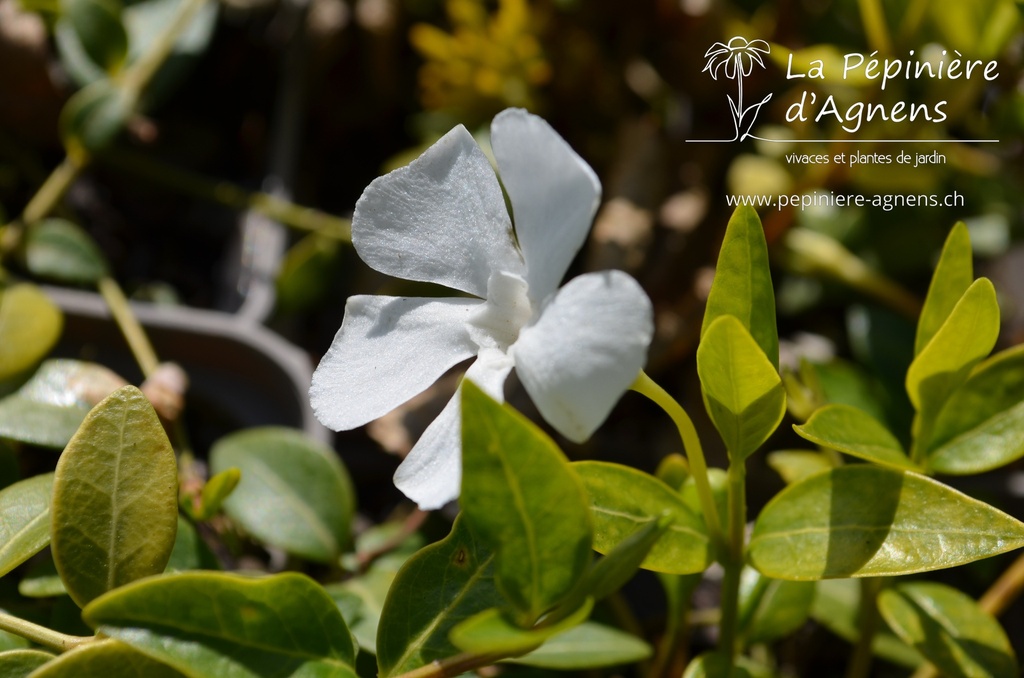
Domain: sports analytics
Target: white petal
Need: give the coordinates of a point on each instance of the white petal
(440, 219)
(432, 473)
(388, 350)
(553, 192)
(585, 350)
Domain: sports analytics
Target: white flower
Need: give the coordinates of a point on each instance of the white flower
(443, 219)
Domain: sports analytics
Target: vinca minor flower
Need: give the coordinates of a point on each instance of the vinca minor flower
(443, 219)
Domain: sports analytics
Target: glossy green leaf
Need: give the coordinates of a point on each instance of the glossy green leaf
(949, 629)
(115, 498)
(214, 625)
(51, 405)
(215, 491)
(491, 632)
(97, 25)
(10, 641)
(953, 275)
(94, 116)
(438, 588)
(306, 265)
(862, 520)
(979, 427)
(966, 337)
(856, 433)
(743, 283)
(30, 325)
(771, 609)
(60, 250)
(611, 572)
(524, 503)
(795, 465)
(294, 492)
(24, 520)
(20, 663)
(742, 389)
(107, 658)
(623, 499)
(836, 605)
(587, 646)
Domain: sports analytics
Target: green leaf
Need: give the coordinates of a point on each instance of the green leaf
(949, 629)
(623, 499)
(491, 632)
(51, 405)
(524, 503)
(836, 605)
(771, 609)
(966, 337)
(294, 492)
(24, 520)
(115, 498)
(673, 470)
(97, 25)
(860, 520)
(190, 552)
(10, 641)
(742, 390)
(306, 265)
(216, 625)
(215, 491)
(107, 658)
(611, 572)
(60, 250)
(716, 665)
(743, 283)
(42, 581)
(20, 663)
(856, 433)
(439, 587)
(587, 646)
(795, 465)
(953, 275)
(979, 427)
(30, 325)
(94, 116)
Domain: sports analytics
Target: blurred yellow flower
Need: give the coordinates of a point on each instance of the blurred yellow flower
(487, 62)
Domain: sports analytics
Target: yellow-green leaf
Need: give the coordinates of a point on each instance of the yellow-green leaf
(24, 520)
(587, 646)
(115, 498)
(106, 658)
(30, 325)
(861, 520)
(742, 390)
(60, 250)
(743, 283)
(857, 433)
(215, 625)
(20, 663)
(953, 275)
(491, 632)
(623, 499)
(949, 629)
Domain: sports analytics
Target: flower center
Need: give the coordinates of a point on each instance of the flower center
(497, 322)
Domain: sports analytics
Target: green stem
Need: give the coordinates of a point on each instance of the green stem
(874, 25)
(646, 386)
(867, 623)
(133, 333)
(453, 666)
(733, 562)
(231, 195)
(42, 203)
(912, 18)
(138, 76)
(40, 634)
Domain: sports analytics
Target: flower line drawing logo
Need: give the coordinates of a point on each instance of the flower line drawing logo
(736, 60)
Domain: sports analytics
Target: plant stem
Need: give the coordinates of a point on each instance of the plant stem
(40, 634)
(231, 195)
(138, 76)
(646, 386)
(867, 625)
(41, 204)
(453, 666)
(138, 342)
(874, 25)
(733, 562)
